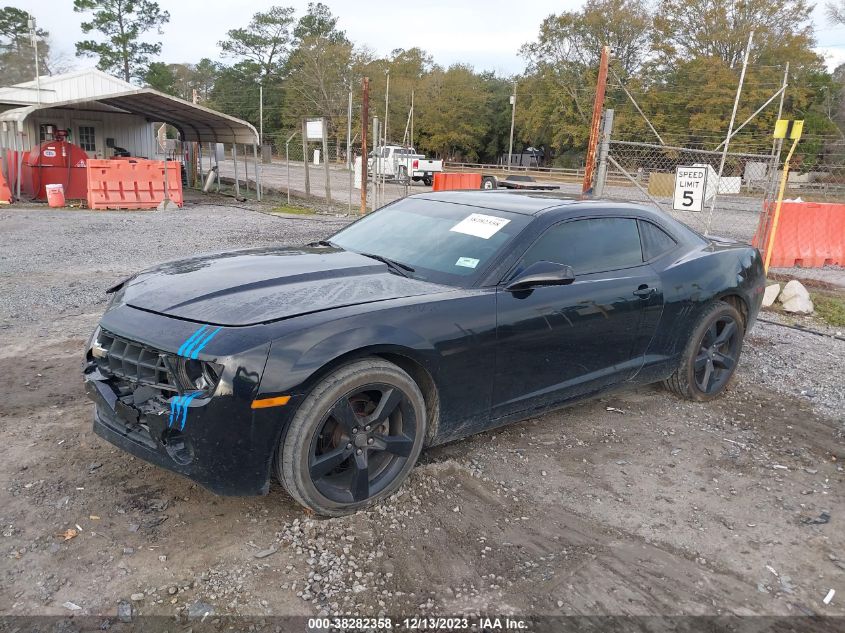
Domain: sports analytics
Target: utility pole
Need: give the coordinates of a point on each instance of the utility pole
(33, 35)
(365, 114)
(260, 117)
(513, 118)
(730, 131)
(349, 164)
(598, 106)
(412, 120)
(386, 104)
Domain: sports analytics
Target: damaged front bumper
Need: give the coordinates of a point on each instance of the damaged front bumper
(211, 436)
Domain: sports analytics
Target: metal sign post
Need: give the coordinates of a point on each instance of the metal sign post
(783, 129)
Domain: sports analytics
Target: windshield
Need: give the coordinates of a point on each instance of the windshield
(443, 242)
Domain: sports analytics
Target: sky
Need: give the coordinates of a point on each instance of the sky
(486, 34)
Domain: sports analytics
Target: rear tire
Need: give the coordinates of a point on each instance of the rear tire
(427, 181)
(489, 182)
(710, 357)
(354, 439)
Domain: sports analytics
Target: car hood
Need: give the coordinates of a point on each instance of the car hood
(267, 284)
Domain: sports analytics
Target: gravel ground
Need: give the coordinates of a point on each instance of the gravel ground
(634, 504)
(54, 262)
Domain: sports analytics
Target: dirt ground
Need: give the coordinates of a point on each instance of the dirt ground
(635, 504)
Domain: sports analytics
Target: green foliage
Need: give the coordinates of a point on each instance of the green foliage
(265, 42)
(17, 57)
(121, 23)
(682, 71)
(829, 308)
(161, 77)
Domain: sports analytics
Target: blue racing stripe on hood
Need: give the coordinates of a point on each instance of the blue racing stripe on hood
(198, 347)
(185, 348)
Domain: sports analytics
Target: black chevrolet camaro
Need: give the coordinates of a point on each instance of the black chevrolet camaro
(441, 315)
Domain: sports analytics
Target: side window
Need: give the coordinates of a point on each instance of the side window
(589, 245)
(655, 240)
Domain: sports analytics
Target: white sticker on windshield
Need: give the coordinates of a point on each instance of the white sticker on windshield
(466, 262)
(480, 225)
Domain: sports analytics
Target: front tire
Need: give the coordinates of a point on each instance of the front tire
(354, 439)
(710, 357)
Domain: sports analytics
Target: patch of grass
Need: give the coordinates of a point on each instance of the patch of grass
(293, 210)
(830, 309)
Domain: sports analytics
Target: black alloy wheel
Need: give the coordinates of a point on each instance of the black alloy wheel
(354, 438)
(363, 443)
(717, 355)
(711, 355)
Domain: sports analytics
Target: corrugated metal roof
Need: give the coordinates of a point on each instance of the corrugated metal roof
(195, 122)
(90, 83)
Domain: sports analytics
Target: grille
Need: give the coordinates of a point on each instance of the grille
(136, 362)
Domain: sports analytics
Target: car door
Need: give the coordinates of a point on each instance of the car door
(558, 342)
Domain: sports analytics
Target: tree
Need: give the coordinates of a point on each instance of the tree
(836, 12)
(318, 21)
(456, 112)
(17, 56)
(122, 23)
(159, 76)
(319, 72)
(721, 28)
(264, 43)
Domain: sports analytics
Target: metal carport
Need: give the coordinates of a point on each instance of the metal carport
(194, 122)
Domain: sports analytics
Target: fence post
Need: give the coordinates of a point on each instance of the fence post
(604, 149)
(326, 162)
(305, 157)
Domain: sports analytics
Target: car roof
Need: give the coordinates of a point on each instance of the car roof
(533, 202)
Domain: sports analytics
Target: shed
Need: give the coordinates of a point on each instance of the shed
(103, 113)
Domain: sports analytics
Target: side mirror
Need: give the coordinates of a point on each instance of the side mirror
(542, 274)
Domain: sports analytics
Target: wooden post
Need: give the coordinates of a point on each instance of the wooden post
(598, 106)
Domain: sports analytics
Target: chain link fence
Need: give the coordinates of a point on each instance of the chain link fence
(740, 204)
(645, 172)
(288, 172)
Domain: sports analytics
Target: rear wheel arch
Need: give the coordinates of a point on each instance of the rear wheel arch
(739, 304)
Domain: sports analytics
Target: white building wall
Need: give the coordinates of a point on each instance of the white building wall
(129, 131)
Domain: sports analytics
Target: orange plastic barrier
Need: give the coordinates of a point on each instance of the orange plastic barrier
(447, 182)
(132, 184)
(809, 234)
(5, 192)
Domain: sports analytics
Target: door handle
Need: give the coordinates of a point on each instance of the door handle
(644, 292)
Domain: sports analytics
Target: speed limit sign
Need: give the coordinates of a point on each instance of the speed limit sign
(690, 185)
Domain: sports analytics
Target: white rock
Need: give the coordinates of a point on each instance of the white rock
(770, 295)
(795, 298)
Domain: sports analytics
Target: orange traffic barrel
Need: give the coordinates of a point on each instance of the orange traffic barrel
(55, 195)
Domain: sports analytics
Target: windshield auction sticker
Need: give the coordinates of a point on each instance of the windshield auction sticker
(480, 225)
(467, 262)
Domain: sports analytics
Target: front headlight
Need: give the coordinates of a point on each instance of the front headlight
(198, 375)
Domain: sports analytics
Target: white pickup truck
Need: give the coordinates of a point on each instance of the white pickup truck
(402, 164)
